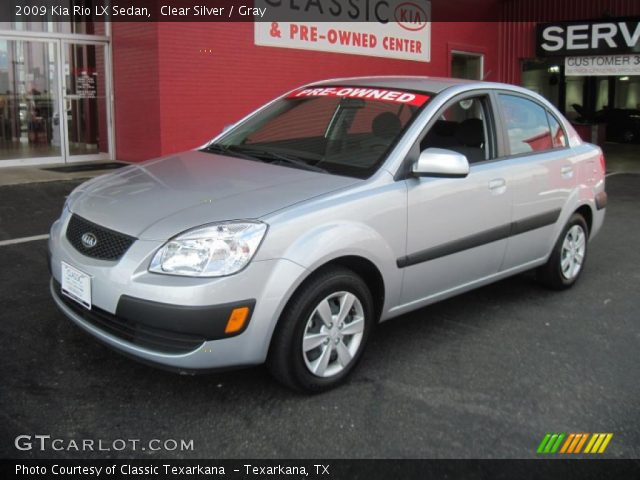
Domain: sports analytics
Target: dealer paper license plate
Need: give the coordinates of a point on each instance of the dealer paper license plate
(76, 285)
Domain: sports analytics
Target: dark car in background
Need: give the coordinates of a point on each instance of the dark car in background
(622, 124)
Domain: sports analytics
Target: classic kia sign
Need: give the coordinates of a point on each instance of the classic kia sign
(595, 37)
(380, 28)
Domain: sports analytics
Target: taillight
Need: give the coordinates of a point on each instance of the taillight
(603, 164)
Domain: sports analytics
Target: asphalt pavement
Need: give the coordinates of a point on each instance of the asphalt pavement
(482, 375)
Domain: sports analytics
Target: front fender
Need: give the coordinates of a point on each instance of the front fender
(368, 221)
(326, 243)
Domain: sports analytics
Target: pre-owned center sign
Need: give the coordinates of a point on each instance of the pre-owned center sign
(380, 28)
(594, 37)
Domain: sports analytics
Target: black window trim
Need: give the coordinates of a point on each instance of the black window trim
(564, 132)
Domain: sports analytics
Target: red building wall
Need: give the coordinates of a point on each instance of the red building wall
(136, 90)
(179, 84)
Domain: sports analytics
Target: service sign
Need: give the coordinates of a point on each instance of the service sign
(380, 28)
(595, 37)
(603, 65)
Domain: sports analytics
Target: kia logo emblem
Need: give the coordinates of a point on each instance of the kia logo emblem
(411, 16)
(89, 240)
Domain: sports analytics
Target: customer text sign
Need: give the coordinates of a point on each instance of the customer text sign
(388, 29)
(602, 65)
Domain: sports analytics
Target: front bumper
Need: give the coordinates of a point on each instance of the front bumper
(174, 322)
(160, 326)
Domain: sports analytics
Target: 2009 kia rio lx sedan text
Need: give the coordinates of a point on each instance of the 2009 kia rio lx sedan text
(334, 207)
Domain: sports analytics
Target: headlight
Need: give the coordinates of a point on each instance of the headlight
(210, 251)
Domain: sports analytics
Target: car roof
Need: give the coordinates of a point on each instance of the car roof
(425, 84)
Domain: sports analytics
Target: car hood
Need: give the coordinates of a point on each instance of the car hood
(160, 198)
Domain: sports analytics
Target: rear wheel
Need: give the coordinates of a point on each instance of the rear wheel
(322, 332)
(567, 259)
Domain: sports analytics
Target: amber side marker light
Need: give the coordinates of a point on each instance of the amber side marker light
(237, 319)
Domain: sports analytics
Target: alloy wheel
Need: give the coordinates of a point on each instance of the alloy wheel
(333, 334)
(573, 251)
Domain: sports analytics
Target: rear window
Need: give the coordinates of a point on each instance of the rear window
(527, 125)
(339, 130)
(557, 133)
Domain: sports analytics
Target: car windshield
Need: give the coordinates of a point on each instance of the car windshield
(338, 130)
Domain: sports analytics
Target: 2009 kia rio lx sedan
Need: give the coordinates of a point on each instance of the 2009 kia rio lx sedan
(334, 207)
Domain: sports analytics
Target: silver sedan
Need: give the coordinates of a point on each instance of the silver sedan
(336, 206)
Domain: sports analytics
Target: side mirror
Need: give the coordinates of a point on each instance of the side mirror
(438, 162)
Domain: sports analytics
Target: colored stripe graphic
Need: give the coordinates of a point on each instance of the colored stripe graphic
(567, 442)
(604, 445)
(578, 438)
(543, 443)
(573, 443)
(591, 442)
(581, 443)
(551, 442)
(556, 445)
(598, 443)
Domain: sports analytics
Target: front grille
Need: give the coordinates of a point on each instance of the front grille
(110, 245)
(156, 339)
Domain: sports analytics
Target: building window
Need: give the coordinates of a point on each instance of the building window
(543, 77)
(466, 65)
(49, 23)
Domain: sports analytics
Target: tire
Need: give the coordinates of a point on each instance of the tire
(333, 347)
(568, 256)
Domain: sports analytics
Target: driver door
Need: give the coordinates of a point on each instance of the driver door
(457, 227)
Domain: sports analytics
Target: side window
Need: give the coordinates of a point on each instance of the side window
(527, 125)
(463, 128)
(557, 133)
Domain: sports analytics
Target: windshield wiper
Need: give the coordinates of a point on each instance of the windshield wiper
(279, 158)
(215, 147)
(261, 155)
(229, 150)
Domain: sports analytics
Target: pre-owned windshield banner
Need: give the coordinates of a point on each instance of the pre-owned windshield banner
(396, 96)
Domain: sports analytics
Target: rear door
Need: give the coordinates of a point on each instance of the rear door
(541, 173)
(457, 227)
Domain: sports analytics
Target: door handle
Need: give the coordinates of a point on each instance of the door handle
(498, 186)
(566, 171)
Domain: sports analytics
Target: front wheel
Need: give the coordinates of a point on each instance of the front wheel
(322, 332)
(568, 256)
